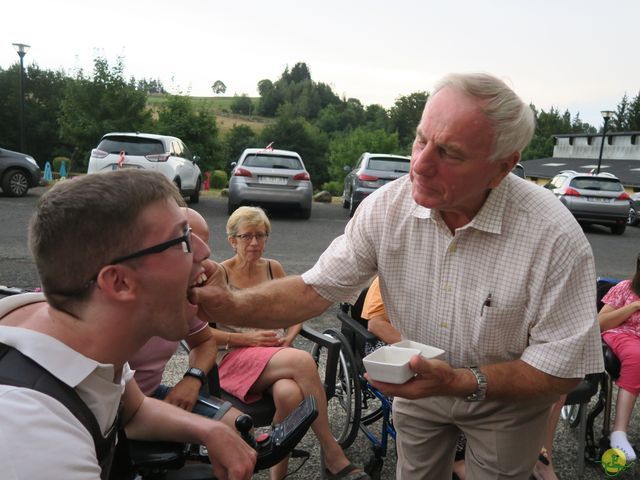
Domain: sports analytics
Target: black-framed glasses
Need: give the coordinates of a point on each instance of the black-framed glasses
(248, 237)
(185, 240)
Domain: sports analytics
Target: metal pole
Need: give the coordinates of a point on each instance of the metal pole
(604, 131)
(22, 146)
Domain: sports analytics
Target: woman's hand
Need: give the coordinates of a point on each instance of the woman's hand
(263, 338)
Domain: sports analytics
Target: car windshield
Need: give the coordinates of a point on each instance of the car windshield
(131, 146)
(400, 165)
(598, 184)
(272, 161)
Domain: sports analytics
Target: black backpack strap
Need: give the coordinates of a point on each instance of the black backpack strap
(19, 370)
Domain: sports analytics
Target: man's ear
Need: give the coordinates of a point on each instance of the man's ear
(505, 165)
(117, 282)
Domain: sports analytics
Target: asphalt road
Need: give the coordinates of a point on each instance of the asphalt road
(297, 244)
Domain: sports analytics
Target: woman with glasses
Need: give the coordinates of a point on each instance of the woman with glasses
(252, 361)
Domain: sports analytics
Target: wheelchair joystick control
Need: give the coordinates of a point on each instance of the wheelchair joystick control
(244, 424)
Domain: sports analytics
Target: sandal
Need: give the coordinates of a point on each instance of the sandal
(544, 456)
(350, 472)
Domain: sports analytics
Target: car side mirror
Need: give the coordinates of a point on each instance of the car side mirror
(196, 159)
(548, 186)
(233, 164)
(346, 168)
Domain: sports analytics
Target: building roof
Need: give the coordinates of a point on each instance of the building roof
(628, 171)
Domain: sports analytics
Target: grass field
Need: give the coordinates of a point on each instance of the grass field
(221, 108)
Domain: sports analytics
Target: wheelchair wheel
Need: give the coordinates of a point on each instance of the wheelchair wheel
(571, 414)
(344, 407)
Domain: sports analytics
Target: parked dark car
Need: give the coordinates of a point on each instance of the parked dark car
(371, 171)
(599, 199)
(18, 173)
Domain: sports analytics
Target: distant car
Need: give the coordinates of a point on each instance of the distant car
(598, 199)
(371, 171)
(165, 154)
(267, 177)
(634, 210)
(518, 170)
(18, 173)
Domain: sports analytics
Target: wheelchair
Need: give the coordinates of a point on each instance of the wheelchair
(576, 412)
(359, 406)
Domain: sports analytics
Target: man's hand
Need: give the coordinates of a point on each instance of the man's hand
(214, 295)
(185, 393)
(434, 377)
(231, 457)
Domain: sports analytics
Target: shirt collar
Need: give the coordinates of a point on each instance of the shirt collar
(489, 217)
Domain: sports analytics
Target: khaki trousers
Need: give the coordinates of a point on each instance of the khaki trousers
(503, 438)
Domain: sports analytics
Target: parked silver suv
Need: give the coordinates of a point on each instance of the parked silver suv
(598, 199)
(270, 177)
(168, 155)
(371, 171)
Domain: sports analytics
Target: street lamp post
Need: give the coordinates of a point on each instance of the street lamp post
(22, 50)
(607, 115)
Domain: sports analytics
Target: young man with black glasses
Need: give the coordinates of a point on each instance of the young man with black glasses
(101, 303)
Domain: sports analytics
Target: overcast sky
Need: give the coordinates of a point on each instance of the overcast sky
(581, 55)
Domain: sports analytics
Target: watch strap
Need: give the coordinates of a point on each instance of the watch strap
(196, 373)
(481, 390)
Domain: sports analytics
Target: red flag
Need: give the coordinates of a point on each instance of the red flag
(121, 159)
(269, 147)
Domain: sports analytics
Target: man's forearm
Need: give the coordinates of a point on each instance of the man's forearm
(276, 304)
(518, 381)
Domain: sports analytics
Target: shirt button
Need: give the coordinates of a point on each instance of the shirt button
(447, 287)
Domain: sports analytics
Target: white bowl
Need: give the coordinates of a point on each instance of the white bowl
(426, 351)
(390, 364)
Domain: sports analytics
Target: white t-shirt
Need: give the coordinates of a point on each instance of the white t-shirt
(40, 437)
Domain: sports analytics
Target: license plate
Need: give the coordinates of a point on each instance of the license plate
(600, 199)
(273, 180)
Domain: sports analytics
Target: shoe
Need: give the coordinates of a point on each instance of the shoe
(619, 440)
(350, 472)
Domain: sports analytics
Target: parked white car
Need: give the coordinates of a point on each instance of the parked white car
(168, 155)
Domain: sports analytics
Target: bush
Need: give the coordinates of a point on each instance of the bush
(218, 179)
(334, 187)
(56, 163)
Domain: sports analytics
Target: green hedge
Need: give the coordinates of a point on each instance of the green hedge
(334, 187)
(218, 179)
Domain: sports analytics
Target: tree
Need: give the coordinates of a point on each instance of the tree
(347, 148)
(300, 136)
(198, 129)
(405, 115)
(43, 92)
(237, 139)
(218, 87)
(102, 103)
(241, 104)
(633, 117)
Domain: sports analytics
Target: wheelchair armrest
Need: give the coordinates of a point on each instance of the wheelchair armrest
(611, 362)
(356, 327)
(333, 356)
(148, 455)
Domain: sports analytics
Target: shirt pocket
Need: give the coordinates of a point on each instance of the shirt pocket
(500, 332)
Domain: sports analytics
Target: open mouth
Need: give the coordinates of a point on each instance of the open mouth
(199, 281)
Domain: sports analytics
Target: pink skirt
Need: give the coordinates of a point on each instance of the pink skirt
(241, 368)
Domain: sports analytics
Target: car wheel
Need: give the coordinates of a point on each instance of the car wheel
(231, 207)
(352, 206)
(633, 217)
(345, 202)
(195, 197)
(618, 229)
(305, 213)
(15, 183)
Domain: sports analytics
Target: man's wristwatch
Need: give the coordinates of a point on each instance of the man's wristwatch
(481, 390)
(197, 373)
